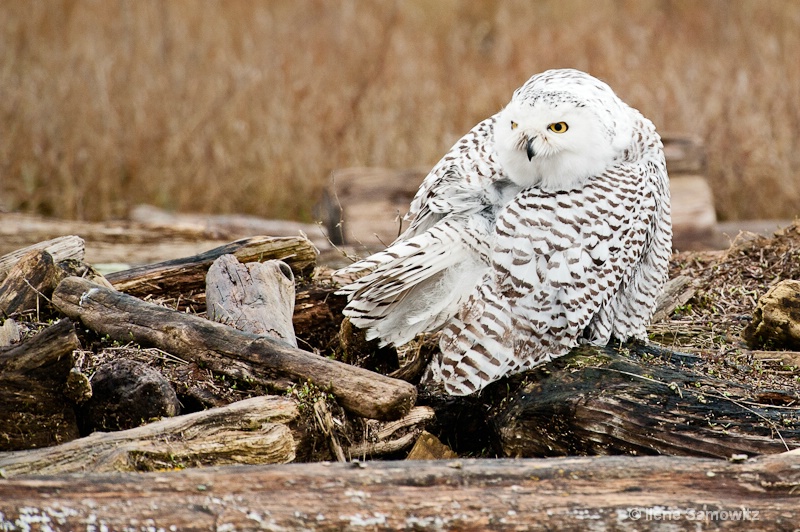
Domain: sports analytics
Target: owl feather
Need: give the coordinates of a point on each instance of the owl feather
(547, 225)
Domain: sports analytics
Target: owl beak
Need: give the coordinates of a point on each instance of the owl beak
(529, 149)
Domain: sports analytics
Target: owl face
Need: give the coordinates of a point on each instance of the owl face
(561, 128)
(556, 145)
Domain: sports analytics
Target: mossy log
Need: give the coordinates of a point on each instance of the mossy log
(579, 493)
(635, 399)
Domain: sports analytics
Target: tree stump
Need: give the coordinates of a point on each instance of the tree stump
(257, 297)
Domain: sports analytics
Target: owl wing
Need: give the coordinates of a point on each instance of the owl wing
(417, 283)
(458, 182)
(558, 258)
(461, 183)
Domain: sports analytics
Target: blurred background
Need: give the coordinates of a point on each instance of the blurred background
(244, 106)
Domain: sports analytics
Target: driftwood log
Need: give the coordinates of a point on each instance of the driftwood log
(29, 283)
(634, 399)
(317, 311)
(178, 277)
(109, 241)
(364, 206)
(227, 226)
(33, 409)
(257, 297)
(252, 431)
(606, 493)
(602, 402)
(60, 249)
(231, 352)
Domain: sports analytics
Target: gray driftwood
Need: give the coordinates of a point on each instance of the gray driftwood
(109, 241)
(583, 493)
(60, 249)
(228, 226)
(678, 291)
(33, 409)
(9, 333)
(256, 297)
(229, 351)
(180, 277)
(252, 431)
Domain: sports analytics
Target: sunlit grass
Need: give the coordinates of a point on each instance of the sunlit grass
(245, 106)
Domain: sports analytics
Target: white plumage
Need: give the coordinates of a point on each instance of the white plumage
(546, 225)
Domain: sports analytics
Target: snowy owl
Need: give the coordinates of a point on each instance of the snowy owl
(546, 226)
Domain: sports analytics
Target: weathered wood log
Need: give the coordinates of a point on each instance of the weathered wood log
(677, 292)
(385, 438)
(127, 318)
(607, 493)
(29, 283)
(785, 359)
(33, 373)
(318, 316)
(599, 401)
(694, 219)
(9, 333)
(109, 241)
(684, 155)
(257, 297)
(184, 276)
(60, 249)
(252, 431)
(364, 206)
(229, 226)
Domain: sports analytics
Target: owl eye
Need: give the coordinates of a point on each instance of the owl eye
(558, 127)
(514, 125)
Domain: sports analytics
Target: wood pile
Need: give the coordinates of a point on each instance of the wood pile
(238, 355)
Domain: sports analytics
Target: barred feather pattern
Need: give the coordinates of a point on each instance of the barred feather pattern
(570, 266)
(523, 242)
(419, 281)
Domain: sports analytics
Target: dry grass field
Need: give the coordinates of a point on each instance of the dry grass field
(248, 106)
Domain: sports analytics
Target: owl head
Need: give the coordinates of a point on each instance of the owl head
(561, 128)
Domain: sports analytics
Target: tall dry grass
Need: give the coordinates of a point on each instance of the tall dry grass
(247, 106)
